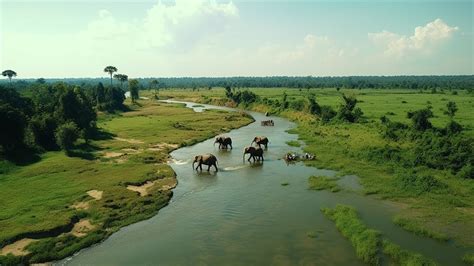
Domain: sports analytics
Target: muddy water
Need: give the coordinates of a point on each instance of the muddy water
(243, 215)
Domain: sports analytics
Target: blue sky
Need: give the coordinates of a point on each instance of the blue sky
(238, 38)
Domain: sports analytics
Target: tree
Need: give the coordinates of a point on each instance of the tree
(154, 85)
(41, 81)
(451, 109)
(66, 134)
(9, 73)
(133, 86)
(110, 70)
(348, 111)
(314, 107)
(420, 119)
(122, 78)
(14, 110)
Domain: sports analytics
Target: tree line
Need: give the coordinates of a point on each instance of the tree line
(52, 116)
(432, 83)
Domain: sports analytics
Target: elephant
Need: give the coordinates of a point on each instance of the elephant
(223, 142)
(206, 159)
(254, 152)
(260, 141)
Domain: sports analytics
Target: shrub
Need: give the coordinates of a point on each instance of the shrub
(420, 119)
(66, 135)
(327, 113)
(348, 111)
(415, 184)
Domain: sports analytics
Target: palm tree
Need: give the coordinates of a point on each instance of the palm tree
(110, 70)
(121, 77)
(9, 73)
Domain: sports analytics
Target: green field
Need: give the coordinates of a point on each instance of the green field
(375, 103)
(435, 203)
(45, 199)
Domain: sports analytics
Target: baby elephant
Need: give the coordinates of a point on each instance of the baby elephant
(223, 142)
(206, 159)
(260, 141)
(255, 152)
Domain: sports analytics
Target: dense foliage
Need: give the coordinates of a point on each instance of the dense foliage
(52, 116)
(434, 84)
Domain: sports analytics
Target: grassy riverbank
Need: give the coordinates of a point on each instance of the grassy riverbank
(60, 204)
(434, 203)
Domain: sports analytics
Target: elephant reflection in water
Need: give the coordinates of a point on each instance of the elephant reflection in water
(206, 159)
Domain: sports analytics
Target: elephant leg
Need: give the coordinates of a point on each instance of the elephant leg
(200, 166)
(262, 158)
(230, 146)
(215, 165)
(208, 168)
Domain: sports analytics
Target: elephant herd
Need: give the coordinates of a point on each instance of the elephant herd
(255, 151)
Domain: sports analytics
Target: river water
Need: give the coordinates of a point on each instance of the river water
(242, 215)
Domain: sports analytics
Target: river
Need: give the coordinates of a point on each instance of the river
(243, 215)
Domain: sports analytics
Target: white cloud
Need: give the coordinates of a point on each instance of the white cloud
(178, 25)
(424, 39)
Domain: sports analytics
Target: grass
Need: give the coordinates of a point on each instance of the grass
(285, 184)
(440, 204)
(468, 258)
(323, 183)
(368, 243)
(414, 227)
(364, 240)
(36, 199)
(293, 143)
(404, 257)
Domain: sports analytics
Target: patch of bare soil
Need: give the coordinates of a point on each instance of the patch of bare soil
(112, 154)
(131, 141)
(96, 194)
(164, 184)
(82, 227)
(162, 146)
(143, 189)
(130, 150)
(81, 205)
(17, 248)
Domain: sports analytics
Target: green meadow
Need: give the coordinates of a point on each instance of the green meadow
(44, 200)
(434, 202)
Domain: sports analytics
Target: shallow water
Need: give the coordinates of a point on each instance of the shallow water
(243, 215)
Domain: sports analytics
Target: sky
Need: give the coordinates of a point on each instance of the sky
(195, 38)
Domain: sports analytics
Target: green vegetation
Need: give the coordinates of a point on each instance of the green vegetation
(46, 198)
(285, 184)
(415, 227)
(468, 258)
(323, 182)
(133, 87)
(294, 143)
(422, 160)
(404, 257)
(365, 241)
(368, 242)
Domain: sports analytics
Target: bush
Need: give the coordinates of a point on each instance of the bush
(466, 171)
(444, 152)
(327, 113)
(412, 183)
(453, 128)
(420, 119)
(348, 111)
(66, 135)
